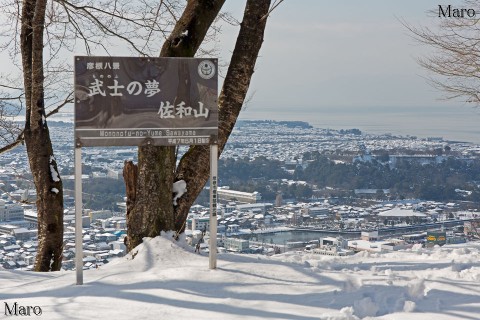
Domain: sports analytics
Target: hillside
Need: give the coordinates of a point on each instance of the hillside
(166, 280)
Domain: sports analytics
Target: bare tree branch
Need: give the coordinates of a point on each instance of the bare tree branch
(275, 4)
(14, 144)
(455, 63)
(19, 139)
(70, 25)
(10, 87)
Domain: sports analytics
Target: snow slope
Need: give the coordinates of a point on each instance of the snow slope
(166, 280)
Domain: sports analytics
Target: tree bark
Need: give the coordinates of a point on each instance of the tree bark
(150, 198)
(37, 139)
(194, 165)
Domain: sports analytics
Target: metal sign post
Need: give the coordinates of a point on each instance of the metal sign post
(78, 216)
(213, 206)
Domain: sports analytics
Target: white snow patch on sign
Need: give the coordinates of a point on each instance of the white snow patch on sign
(179, 188)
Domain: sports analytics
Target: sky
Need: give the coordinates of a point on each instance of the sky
(351, 64)
(167, 280)
(336, 54)
(341, 53)
(345, 64)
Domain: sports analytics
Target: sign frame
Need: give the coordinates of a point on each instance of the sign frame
(126, 101)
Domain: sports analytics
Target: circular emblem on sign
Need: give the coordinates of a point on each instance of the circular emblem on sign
(206, 69)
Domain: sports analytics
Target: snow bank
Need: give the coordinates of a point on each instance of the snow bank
(163, 278)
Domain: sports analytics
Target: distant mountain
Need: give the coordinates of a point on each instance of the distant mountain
(290, 124)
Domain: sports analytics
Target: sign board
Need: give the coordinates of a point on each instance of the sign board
(122, 101)
(436, 237)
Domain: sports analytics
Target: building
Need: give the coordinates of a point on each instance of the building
(24, 234)
(9, 229)
(28, 195)
(237, 245)
(369, 236)
(114, 174)
(101, 214)
(198, 223)
(10, 211)
(254, 207)
(233, 228)
(471, 228)
(31, 217)
(315, 211)
(395, 244)
(226, 194)
(371, 192)
(227, 209)
(330, 246)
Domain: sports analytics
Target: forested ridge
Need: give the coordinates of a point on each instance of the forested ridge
(452, 179)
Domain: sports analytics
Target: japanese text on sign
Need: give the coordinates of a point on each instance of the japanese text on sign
(214, 195)
(126, 100)
(134, 88)
(169, 111)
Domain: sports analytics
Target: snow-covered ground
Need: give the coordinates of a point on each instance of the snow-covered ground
(166, 280)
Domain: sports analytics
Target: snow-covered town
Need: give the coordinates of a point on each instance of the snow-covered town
(247, 223)
(258, 159)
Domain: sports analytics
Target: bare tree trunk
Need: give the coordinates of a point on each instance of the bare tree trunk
(194, 165)
(37, 138)
(150, 197)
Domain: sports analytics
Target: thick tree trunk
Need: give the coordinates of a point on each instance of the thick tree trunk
(149, 194)
(37, 138)
(49, 199)
(193, 167)
(150, 208)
